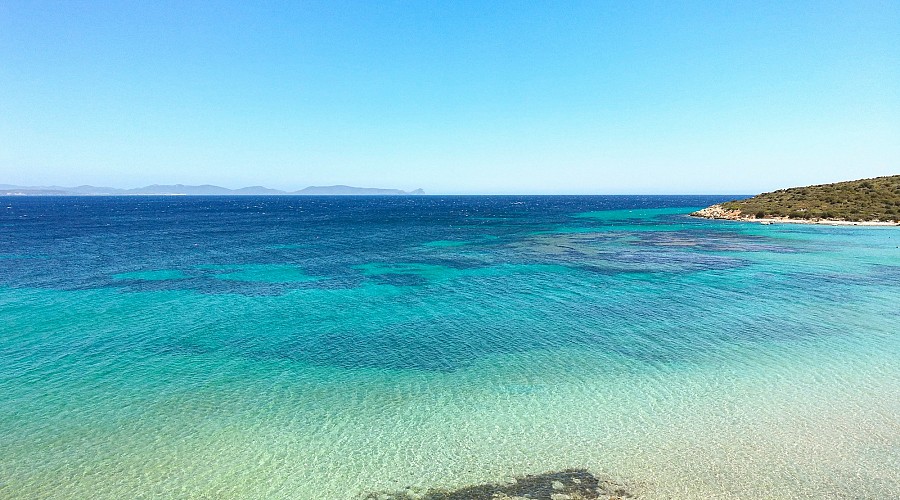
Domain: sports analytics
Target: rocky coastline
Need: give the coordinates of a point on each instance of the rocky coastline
(722, 213)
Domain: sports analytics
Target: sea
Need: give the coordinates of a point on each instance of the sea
(360, 347)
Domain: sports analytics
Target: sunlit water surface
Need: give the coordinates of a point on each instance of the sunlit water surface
(306, 347)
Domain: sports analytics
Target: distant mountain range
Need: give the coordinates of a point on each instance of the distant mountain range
(181, 189)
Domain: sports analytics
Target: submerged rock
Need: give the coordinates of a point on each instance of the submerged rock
(571, 484)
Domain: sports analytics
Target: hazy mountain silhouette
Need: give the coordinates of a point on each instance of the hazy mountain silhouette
(181, 189)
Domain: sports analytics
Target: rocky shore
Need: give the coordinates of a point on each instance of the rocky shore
(571, 484)
(720, 212)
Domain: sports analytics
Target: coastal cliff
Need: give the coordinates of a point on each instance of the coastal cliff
(862, 202)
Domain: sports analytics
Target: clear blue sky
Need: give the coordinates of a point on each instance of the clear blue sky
(469, 97)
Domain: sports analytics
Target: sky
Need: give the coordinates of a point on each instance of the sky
(474, 97)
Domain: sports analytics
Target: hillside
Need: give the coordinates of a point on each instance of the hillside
(868, 200)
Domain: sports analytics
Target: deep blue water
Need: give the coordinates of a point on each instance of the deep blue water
(75, 242)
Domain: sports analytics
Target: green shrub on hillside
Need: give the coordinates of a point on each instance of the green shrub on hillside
(866, 199)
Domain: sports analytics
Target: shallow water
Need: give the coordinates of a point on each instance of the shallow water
(306, 347)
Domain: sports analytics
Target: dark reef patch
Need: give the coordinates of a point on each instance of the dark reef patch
(571, 484)
(399, 279)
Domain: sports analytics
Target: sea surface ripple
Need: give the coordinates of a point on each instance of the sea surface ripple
(338, 347)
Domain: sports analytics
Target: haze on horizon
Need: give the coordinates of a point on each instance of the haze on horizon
(472, 97)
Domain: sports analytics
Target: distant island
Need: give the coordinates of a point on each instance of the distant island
(873, 201)
(204, 190)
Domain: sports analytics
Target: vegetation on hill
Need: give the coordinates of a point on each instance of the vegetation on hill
(862, 200)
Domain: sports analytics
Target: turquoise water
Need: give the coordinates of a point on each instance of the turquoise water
(289, 348)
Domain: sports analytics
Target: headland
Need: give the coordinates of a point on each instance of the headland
(865, 202)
